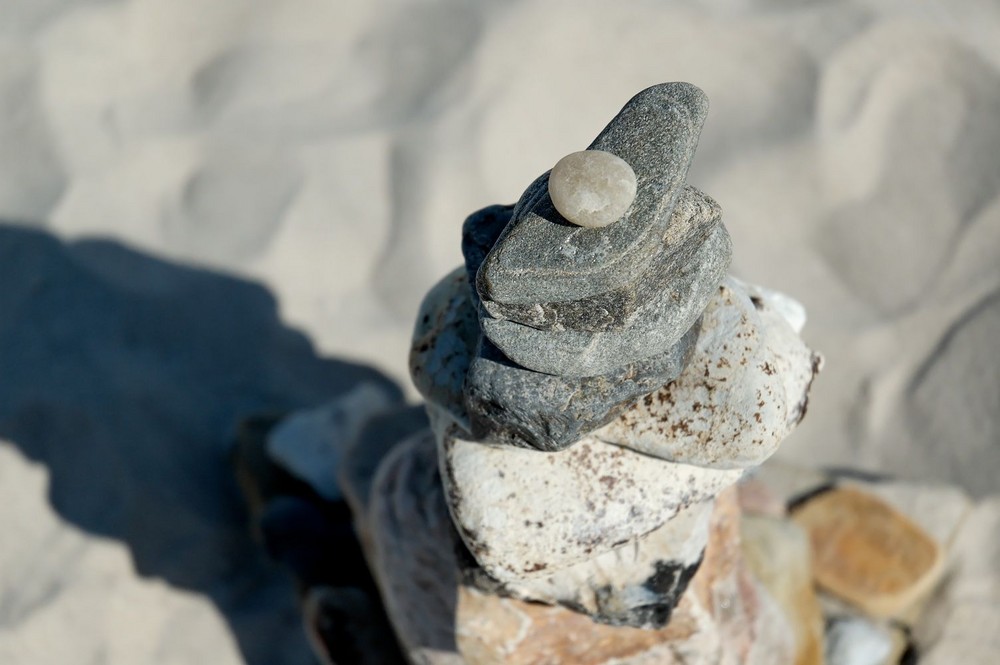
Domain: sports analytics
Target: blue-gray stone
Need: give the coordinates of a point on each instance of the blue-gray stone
(652, 330)
(542, 258)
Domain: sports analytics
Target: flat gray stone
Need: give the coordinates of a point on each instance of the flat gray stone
(508, 404)
(652, 330)
(543, 258)
(694, 217)
(528, 514)
(501, 402)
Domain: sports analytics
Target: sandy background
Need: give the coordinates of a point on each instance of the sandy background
(215, 208)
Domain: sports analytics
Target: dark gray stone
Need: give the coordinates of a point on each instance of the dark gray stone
(542, 258)
(512, 405)
(653, 329)
(479, 233)
(694, 217)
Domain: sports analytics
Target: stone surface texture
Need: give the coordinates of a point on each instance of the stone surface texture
(742, 392)
(655, 326)
(501, 402)
(594, 393)
(867, 553)
(541, 258)
(778, 553)
(592, 188)
(523, 513)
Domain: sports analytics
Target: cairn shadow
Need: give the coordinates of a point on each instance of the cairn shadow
(125, 375)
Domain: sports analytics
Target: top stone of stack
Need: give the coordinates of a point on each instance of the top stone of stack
(543, 260)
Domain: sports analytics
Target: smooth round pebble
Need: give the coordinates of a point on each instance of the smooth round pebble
(592, 188)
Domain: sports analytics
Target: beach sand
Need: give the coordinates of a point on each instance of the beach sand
(215, 209)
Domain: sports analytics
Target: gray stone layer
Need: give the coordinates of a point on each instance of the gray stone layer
(652, 330)
(543, 258)
(694, 217)
(508, 404)
(501, 402)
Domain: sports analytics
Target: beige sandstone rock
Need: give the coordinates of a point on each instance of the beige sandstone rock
(867, 553)
(778, 553)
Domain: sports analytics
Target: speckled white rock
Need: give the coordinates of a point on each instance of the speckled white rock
(592, 188)
(630, 585)
(525, 513)
(743, 391)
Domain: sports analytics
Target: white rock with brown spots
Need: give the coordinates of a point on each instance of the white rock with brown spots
(742, 392)
(525, 513)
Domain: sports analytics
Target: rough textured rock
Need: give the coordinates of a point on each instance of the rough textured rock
(652, 329)
(592, 188)
(867, 553)
(512, 405)
(412, 555)
(505, 403)
(778, 553)
(480, 231)
(444, 340)
(502, 631)
(636, 585)
(723, 618)
(742, 392)
(524, 513)
(694, 217)
(542, 258)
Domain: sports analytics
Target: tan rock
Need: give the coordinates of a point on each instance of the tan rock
(868, 553)
(778, 553)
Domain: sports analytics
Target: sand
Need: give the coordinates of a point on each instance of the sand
(277, 184)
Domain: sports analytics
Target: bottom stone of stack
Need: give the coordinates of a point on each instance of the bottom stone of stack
(724, 616)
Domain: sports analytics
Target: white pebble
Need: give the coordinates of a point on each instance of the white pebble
(592, 188)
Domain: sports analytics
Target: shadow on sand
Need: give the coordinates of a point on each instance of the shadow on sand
(125, 375)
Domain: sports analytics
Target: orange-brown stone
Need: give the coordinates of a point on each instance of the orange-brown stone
(867, 553)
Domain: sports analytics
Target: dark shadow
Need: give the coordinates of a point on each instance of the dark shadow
(126, 375)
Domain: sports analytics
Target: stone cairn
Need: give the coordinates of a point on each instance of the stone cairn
(595, 382)
(588, 484)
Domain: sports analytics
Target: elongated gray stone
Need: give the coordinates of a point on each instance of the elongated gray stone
(543, 258)
(694, 217)
(652, 330)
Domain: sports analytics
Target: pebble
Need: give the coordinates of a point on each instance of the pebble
(853, 640)
(592, 188)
